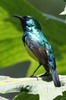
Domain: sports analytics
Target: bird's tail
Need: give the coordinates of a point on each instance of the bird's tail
(56, 78)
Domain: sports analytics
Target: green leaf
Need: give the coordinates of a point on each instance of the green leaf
(42, 86)
(26, 96)
(12, 49)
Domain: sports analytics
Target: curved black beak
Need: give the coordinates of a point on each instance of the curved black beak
(20, 17)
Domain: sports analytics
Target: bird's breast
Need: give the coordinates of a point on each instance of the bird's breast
(30, 52)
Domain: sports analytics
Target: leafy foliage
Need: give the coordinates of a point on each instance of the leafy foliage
(12, 49)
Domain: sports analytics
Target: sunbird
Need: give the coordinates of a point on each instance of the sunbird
(38, 46)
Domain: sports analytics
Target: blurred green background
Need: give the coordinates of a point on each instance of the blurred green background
(14, 60)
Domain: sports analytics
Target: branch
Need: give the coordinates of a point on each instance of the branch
(41, 85)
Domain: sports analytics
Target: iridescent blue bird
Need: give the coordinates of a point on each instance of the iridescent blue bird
(38, 47)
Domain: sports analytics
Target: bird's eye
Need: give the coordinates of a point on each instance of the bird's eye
(27, 18)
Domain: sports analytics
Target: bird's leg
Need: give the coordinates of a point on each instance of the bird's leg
(47, 71)
(35, 70)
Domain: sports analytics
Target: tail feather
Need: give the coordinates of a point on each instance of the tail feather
(56, 78)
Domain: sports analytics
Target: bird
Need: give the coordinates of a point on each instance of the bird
(38, 46)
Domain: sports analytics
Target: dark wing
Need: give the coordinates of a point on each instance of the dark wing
(50, 56)
(38, 51)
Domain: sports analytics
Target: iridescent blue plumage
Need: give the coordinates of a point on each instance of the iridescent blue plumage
(38, 46)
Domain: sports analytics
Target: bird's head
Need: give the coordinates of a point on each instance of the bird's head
(28, 21)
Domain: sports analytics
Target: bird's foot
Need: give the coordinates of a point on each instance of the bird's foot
(34, 76)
